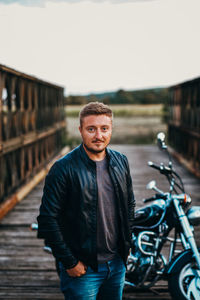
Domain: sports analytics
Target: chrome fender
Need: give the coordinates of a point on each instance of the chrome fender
(177, 260)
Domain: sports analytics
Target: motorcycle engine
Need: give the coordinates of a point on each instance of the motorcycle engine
(142, 259)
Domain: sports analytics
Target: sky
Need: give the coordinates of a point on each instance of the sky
(98, 46)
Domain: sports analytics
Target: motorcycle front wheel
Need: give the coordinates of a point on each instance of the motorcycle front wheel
(184, 283)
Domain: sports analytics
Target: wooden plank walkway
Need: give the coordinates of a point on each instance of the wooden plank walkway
(27, 272)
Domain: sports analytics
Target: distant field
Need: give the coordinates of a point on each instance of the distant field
(133, 124)
(124, 110)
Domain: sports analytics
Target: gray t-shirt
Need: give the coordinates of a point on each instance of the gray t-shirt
(107, 216)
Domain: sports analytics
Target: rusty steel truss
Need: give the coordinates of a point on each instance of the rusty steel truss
(32, 126)
(184, 123)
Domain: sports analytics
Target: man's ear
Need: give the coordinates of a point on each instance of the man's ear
(80, 129)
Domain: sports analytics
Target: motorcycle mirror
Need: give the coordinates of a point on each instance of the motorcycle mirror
(161, 140)
(151, 185)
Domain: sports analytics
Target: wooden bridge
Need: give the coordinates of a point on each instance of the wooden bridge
(27, 272)
(32, 132)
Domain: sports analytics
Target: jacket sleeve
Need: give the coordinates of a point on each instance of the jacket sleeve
(54, 195)
(131, 198)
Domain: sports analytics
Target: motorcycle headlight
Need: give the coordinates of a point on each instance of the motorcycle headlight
(187, 199)
(184, 199)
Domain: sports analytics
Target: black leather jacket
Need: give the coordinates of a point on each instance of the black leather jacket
(68, 212)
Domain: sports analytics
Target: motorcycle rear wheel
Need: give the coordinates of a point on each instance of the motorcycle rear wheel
(184, 284)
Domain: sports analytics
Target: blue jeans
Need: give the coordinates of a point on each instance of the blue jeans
(106, 284)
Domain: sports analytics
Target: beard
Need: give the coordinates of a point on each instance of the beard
(93, 150)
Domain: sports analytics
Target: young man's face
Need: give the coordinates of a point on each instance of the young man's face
(96, 131)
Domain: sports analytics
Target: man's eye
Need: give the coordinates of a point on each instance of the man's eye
(105, 128)
(91, 129)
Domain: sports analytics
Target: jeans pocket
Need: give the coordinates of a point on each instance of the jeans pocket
(65, 279)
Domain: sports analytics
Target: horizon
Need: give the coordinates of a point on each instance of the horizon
(114, 91)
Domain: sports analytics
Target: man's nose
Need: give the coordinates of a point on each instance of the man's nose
(98, 134)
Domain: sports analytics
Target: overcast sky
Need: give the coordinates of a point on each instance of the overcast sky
(96, 46)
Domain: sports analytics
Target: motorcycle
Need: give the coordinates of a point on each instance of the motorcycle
(166, 224)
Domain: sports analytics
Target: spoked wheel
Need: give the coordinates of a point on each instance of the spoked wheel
(185, 283)
(189, 281)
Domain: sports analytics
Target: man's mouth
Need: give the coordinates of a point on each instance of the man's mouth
(97, 142)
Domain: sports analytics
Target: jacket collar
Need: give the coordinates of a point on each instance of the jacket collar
(110, 156)
(91, 162)
(85, 157)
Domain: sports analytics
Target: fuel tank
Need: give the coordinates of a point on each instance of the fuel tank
(149, 215)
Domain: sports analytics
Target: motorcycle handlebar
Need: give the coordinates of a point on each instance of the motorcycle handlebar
(152, 165)
(162, 168)
(168, 171)
(149, 199)
(155, 197)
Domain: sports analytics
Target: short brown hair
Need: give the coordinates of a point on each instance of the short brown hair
(94, 108)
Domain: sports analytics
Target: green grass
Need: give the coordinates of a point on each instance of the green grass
(133, 124)
(123, 110)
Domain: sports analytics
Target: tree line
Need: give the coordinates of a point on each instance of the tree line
(144, 96)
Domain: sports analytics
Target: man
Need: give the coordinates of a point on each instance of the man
(87, 212)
